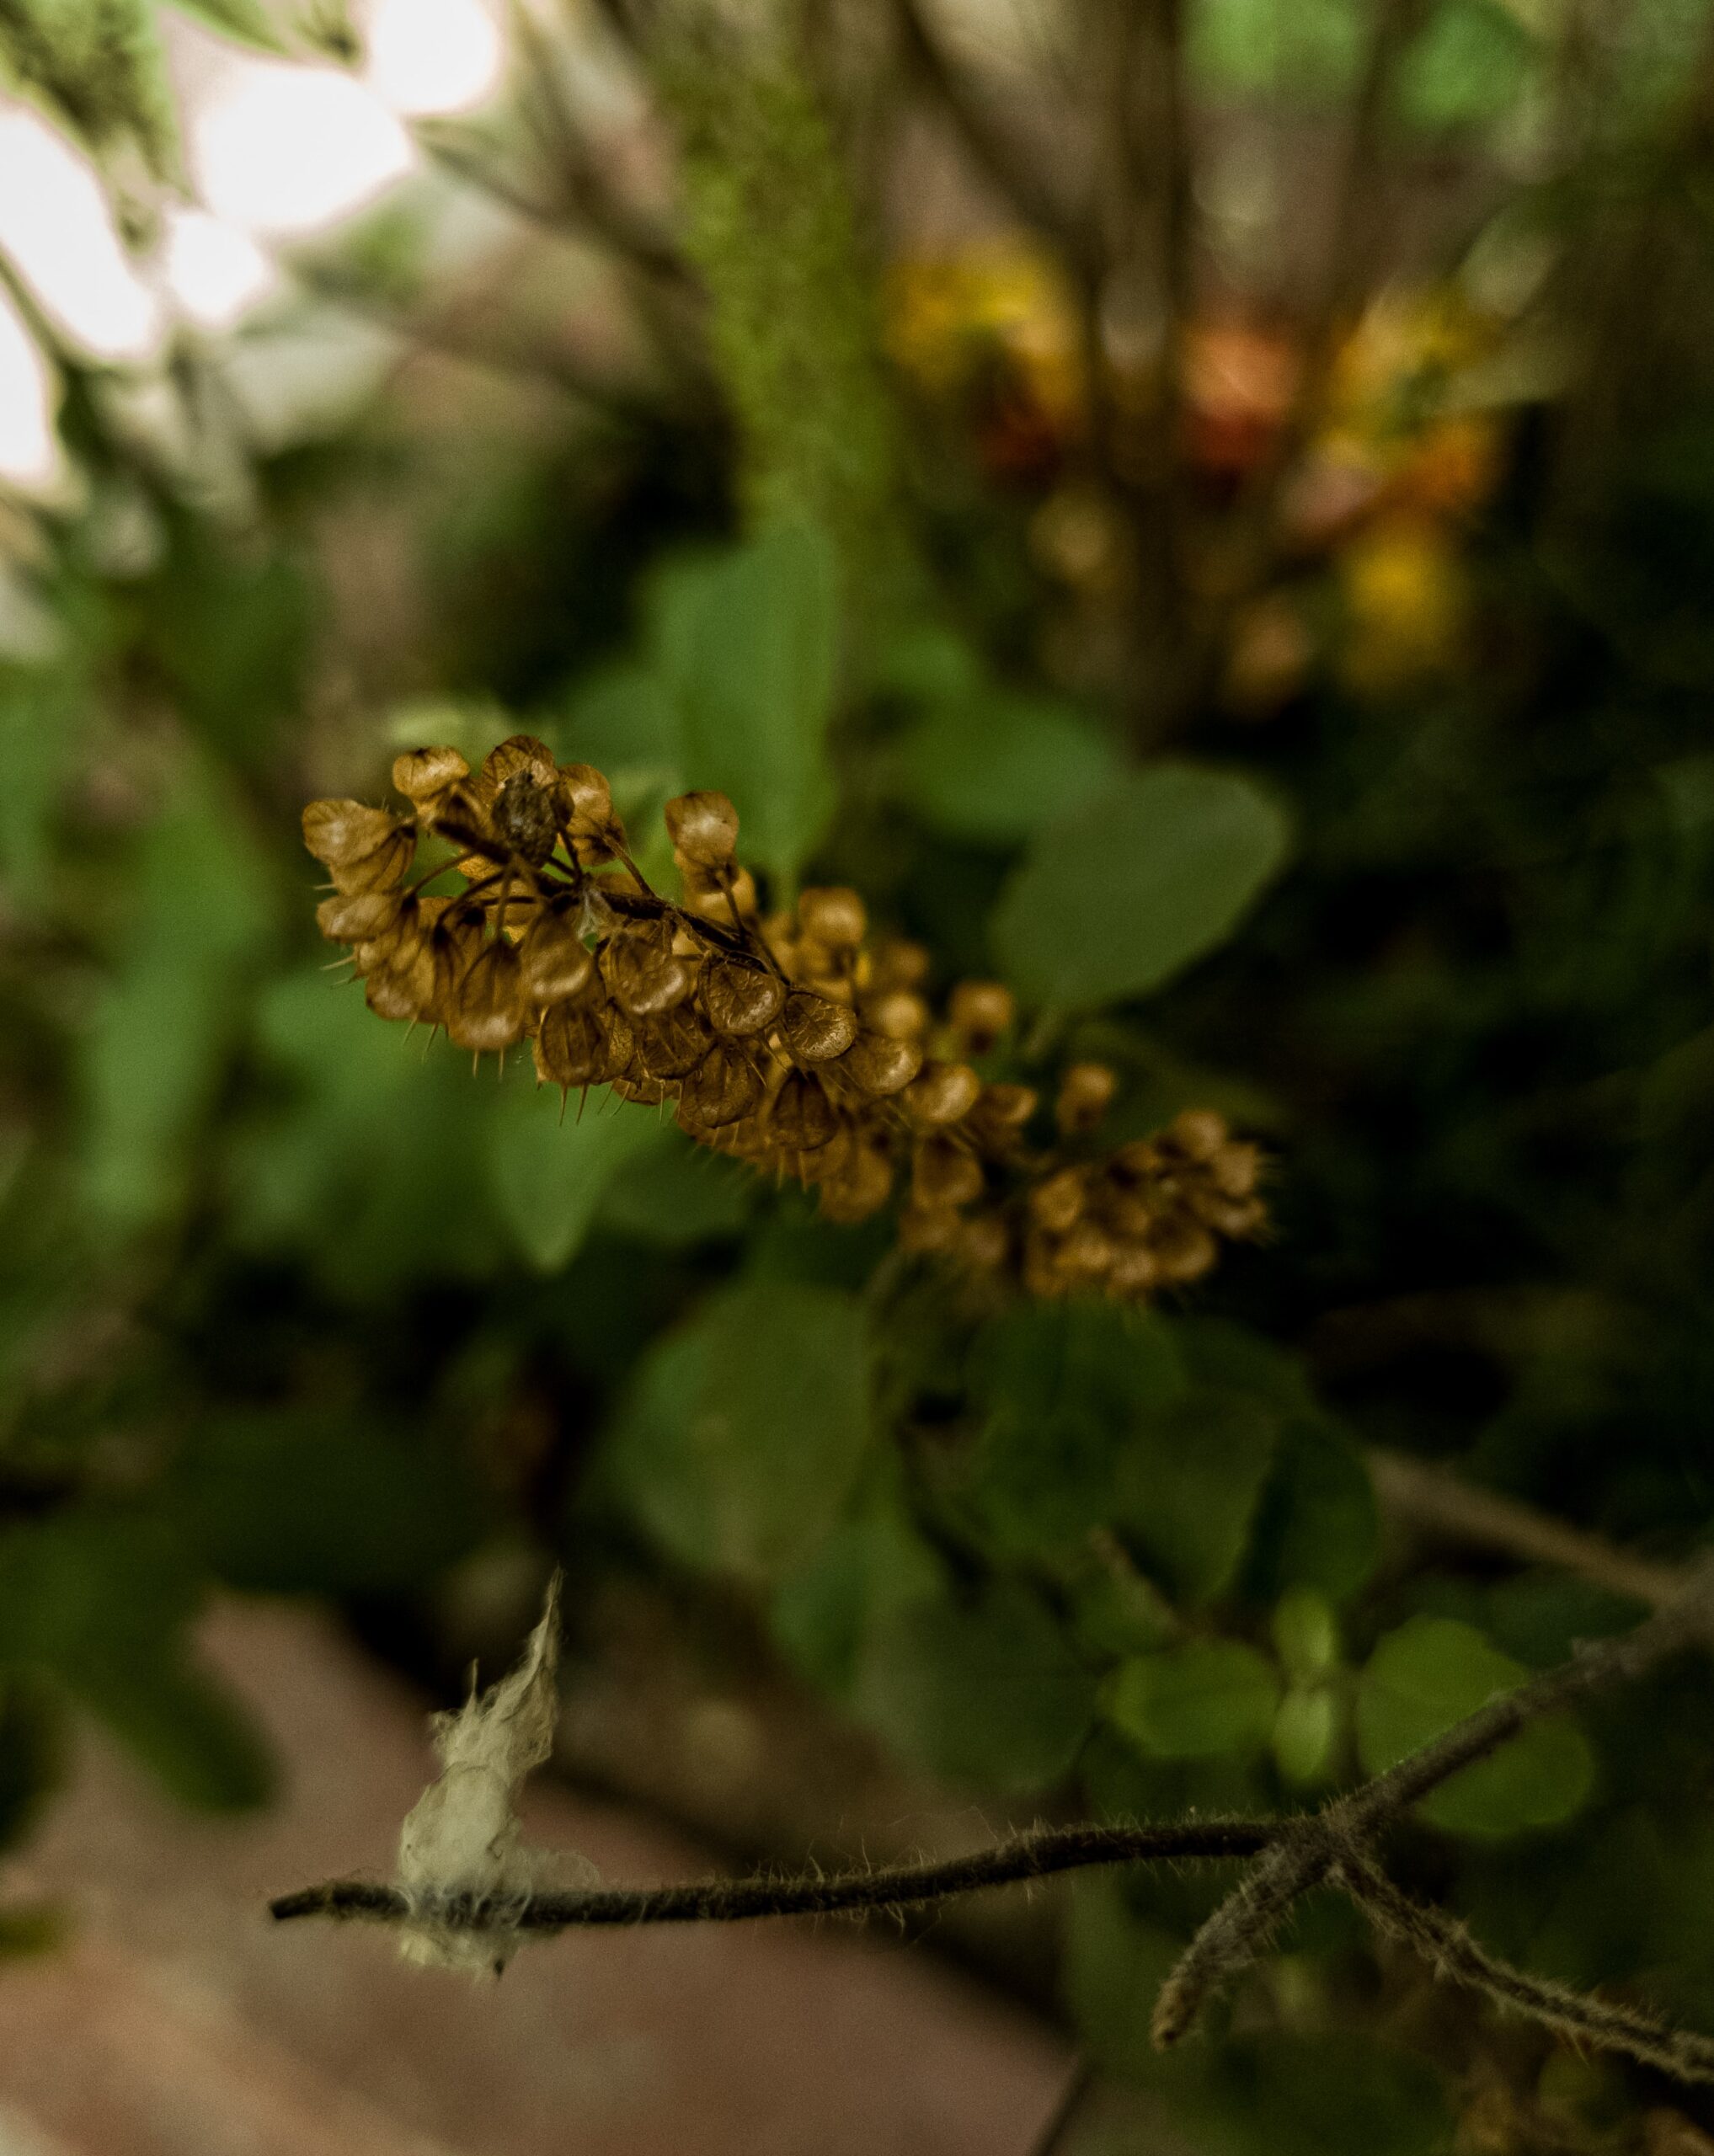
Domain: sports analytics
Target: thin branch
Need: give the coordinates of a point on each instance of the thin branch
(1051, 2141)
(1007, 167)
(1240, 1929)
(729, 1901)
(1450, 1951)
(1426, 1497)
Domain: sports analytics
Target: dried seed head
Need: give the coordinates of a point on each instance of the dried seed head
(487, 1009)
(582, 1043)
(586, 807)
(979, 1012)
(704, 827)
(835, 916)
(723, 1089)
(1183, 1250)
(1086, 1251)
(930, 1231)
(741, 998)
(363, 917)
(555, 964)
(802, 1117)
(1135, 1271)
(898, 1013)
(998, 1118)
(1236, 1169)
(1199, 1133)
(944, 1174)
(672, 1042)
(1057, 1201)
(642, 974)
(525, 816)
(878, 1065)
(364, 848)
(861, 1187)
(985, 1243)
(640, 1088)
(421, 774)
(896, 962)
(816, 1029)
(1086, 1093)
(943, 1093)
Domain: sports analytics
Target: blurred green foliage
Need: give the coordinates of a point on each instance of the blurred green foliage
(290, 1303)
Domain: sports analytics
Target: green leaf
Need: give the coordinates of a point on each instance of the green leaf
(675, 1194)
(1469, 66)
(152, 1057)
(1305, 1730)
(1188, 1488)
(1115, 1964)
(1316, 1525)
(1062, 1386)
(551, 1167)
(749, 644)
(1197, 1701)
(1305, 1635)
(98, 1600)
(996, 768)
(1430, 1673)
(746, 1425)
(987, 1692)
(861, 1575)
(1114, 900)
(293, 1503)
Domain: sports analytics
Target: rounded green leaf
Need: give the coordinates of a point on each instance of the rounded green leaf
(1197, 1701)
(1127, 890)
(1430, 1673)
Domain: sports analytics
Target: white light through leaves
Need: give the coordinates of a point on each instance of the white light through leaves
(30, 456)
(286, 150)
(425, 56)
(214, 269)
(58, 231)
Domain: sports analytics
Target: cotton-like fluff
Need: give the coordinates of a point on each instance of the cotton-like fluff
(462, 1837)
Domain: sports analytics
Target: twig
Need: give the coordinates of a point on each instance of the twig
(1241, 1926)
(1006, 165)
(730, 1901)
(1449, 1949)
(1426, 1497)
(1291, 1855)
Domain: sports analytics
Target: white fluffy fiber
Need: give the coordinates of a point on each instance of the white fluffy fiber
(461, 1836)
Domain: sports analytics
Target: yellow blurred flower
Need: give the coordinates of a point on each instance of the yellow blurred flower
(1405, 601)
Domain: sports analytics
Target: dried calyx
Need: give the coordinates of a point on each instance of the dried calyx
(796, 1042)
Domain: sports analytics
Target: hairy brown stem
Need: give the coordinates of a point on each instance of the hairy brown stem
(1450, 1951)
(729, 1901)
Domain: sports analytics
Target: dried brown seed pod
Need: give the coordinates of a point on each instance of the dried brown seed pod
(586, 808)
(364, 848)
(640, 1088)
(581, 1043)
(802, 1117)
(487, 1008)
(985, 1243)
(642, 974)
(421, 774)
(525, 816)
(979, 1012)
(878, 1065)
(862, 1186)
(1086, 1251)
(703, 828)
(724, 1088)
(896, 962)
(930, 1231)
(1135, 1270)
(814, 1028)
(1236, 1169)
(835, 916)
(361, 916)
(1057, 1200)
(672, 1042)
(898, 1013)
(942, 1093)
(1236, 1218)
(1199, 1133)
(944, 1174)
(556, 965)
(1085, 1094)
(738, 998)
(997, 1120)
(1183, 1249)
